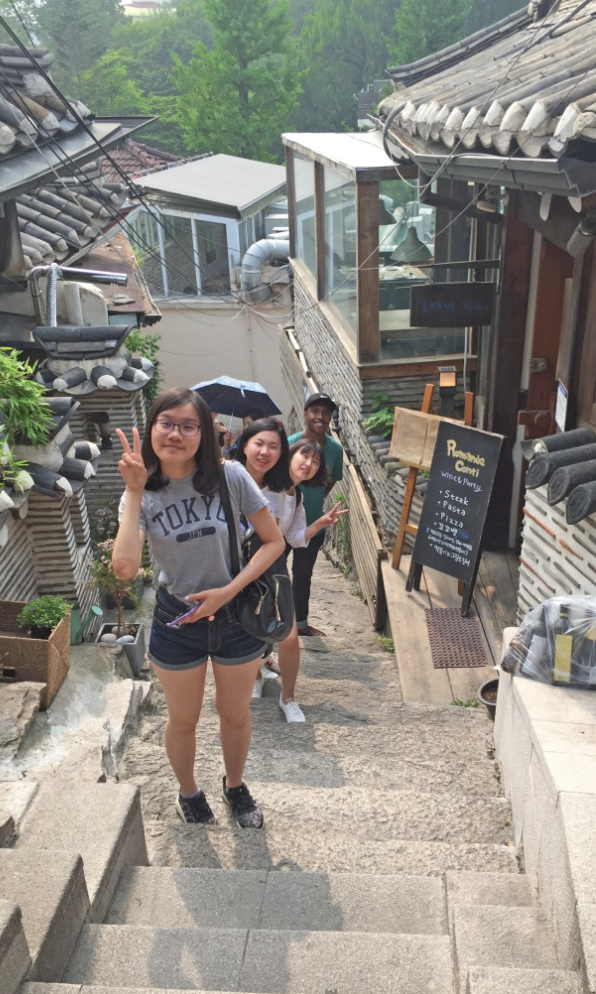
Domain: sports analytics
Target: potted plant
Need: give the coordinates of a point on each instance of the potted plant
(103, 578)
(30, 654)
(43, 614)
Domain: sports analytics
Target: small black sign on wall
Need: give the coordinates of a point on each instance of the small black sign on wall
(461, 478)
(451, 305)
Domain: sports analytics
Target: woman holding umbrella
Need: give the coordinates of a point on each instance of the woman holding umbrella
(172, 496)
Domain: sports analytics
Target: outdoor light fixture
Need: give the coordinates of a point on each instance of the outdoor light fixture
(411, 249)
(447, 390)
(583, 235)
(486, 202)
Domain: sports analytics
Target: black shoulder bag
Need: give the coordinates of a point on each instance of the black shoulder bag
(266, 605)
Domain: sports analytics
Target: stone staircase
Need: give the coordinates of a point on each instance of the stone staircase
(386, 863)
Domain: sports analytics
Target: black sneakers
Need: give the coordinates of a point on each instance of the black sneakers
(244, 809)
(195, 810)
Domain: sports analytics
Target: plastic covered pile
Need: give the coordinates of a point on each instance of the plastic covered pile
(556, 643)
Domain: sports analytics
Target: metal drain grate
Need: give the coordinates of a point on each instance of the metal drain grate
(454, 641)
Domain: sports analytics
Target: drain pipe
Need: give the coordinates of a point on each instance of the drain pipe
(262, 253)
(45, 312)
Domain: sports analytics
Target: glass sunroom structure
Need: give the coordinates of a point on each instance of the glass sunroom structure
(363, 234)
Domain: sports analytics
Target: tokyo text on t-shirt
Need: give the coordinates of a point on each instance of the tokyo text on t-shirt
(188, 532)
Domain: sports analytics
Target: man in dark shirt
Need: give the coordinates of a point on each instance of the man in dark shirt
(317, 417)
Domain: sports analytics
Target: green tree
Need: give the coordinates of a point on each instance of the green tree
(78, 32)
(426, 26)
(108, 89)
(238, 96)
(343, 47)
(20, 15)
(147, 45)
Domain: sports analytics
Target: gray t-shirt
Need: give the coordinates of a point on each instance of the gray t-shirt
(188, 531)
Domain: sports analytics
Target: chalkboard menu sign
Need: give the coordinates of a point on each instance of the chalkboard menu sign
(449, 537)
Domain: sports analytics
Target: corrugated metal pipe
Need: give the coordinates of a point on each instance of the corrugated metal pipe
(262, 253)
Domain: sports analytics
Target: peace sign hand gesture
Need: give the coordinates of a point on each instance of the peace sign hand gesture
(333, 516)
(131, 465)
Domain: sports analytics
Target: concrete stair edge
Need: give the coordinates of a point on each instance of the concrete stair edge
(15, 958)
(65, 817)
(40, 988)
(262, 899)
(260, 959)
(52, 914)
(500, 936)
(496, 980)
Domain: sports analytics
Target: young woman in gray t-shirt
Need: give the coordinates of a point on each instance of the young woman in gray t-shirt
(172, 498)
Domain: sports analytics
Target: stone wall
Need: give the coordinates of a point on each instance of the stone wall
(556, 558)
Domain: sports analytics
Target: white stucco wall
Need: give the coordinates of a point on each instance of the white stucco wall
(201, 342)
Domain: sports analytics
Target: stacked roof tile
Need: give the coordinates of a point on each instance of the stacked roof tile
(134, 158)
(525, 85)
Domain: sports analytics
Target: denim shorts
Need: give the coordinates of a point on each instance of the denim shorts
(189, 646)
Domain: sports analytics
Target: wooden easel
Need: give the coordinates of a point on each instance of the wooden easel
(405, 528)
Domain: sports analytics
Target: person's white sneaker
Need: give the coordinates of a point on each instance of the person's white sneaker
(291, 709)
(257, 690)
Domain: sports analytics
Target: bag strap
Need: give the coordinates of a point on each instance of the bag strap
(226, 503)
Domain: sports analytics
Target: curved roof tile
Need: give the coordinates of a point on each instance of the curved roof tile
(526, 85)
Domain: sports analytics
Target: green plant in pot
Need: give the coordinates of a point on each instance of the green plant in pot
(43, 614)
(103, 578)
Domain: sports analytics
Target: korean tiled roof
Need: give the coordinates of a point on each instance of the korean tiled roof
(133, 158)
(62, 214)
(30, 110)
(62, 465)
(526, 86)
(59, 218)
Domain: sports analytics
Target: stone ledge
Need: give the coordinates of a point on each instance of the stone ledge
(546, 744)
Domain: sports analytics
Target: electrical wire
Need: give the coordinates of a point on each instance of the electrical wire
(159, 219)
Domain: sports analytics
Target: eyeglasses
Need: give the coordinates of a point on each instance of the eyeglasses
(189, 429)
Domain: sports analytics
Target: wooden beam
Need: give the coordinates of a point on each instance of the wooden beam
(291, 194)
(367, 228)
(320, 229)
(505, 363)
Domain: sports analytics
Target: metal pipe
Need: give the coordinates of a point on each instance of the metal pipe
(263, 252)
(67, 273)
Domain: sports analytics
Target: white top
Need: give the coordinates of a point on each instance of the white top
(289, 517)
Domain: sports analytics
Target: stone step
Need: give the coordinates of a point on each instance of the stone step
(51, 892)
(228, 847)
(344, 902)
(503, 937)
(258, 960)
(463, 888)
(492, 980)
(273, 758)
(391, 814)
(423, 730)
(353, 811)
(37, 988)
(14, 951)
(100, 821)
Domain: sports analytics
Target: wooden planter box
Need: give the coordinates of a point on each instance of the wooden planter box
(38, 660)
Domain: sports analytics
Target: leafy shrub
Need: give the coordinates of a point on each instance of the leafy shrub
(44, 612)
(383, 415)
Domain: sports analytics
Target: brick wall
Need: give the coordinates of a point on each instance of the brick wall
(556, 558)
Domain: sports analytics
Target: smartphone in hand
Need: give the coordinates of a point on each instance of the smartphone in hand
(176, 622)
